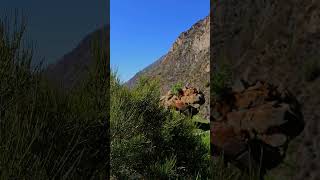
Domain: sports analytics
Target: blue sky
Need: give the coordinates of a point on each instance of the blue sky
(57, 26)
(144, 30)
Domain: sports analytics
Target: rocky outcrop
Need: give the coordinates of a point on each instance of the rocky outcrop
(186, 61)
(248, 116)
(276, 41)
(186, 100)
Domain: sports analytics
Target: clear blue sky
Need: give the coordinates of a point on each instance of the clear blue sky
(57, 26)
(144, 30)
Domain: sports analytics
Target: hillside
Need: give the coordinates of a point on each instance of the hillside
(278, 42)
(187, 61)
(70, 69)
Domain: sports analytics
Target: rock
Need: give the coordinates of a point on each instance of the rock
(188, 100)
(275, 140)
(262, 48)
(238, 86)
(256, 113)
(197, 106)
(207, 69)
(179, 104)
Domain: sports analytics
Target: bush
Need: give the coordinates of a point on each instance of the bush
(176, 88)
(148, 141)
(221, 79)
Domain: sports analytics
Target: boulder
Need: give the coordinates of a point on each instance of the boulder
(188, 100)
(254, 118)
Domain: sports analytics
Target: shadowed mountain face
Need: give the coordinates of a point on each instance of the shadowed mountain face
(187, 62)
(278, 42)
(72, 67)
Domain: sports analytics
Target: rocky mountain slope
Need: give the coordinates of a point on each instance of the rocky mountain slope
(187, 62)
(72, 67)
(278, 42)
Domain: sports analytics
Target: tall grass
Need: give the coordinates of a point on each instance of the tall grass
(46, 133)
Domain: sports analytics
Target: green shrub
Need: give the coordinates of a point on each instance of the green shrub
(221, 79)
(165, 170)
(148, 141)
(176, 88)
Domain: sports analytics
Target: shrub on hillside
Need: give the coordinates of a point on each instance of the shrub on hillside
(148, 141)
(221, 79)
(176, 88)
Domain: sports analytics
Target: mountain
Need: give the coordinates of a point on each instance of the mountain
(278, 42)
(72, 67)
(187, 62)
(131, 82)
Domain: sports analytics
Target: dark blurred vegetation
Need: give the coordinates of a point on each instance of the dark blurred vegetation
(46, 132)
(221, 79)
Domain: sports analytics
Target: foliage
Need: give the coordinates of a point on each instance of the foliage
(148, 141)
(221, 79)
(176, 88)
(46, 133)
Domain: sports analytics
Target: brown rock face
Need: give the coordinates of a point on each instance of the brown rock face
(187, 100)
(276, 41)
(256, 117)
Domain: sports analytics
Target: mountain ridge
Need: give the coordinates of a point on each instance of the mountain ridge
(71, 68)
(187, 61)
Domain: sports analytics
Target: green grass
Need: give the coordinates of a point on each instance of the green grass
(198, 118)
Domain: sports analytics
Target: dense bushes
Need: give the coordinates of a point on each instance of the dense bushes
(148, 141)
